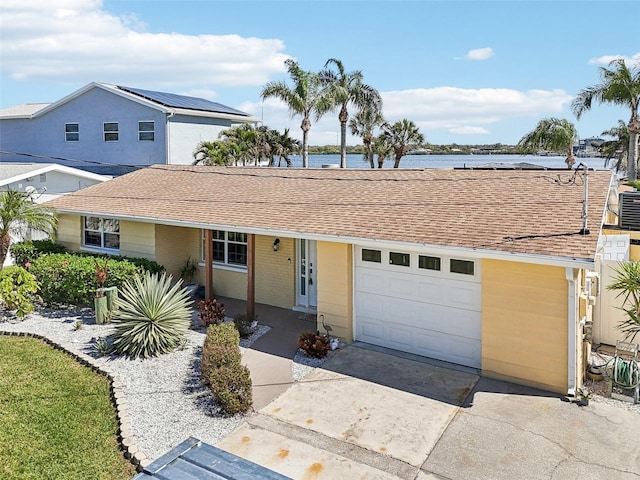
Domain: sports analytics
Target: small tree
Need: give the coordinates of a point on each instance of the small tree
(553, 134)
(18, 214)
(401, 136)
(627, 284)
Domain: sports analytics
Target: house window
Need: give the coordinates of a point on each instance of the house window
(110, 131)
(229, 248)
(402, 259)
(371, 256)
(146, 131)
(465, 267)
(72, 132)
(429, 263)
(43, 177)
(101, 232)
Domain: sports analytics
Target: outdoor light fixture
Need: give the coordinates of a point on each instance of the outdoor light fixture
(276, 244)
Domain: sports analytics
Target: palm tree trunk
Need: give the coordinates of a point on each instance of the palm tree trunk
(396, 164)
(368, 143)
(632, 161)
(305, 126)
(344, 117)
(5, 242)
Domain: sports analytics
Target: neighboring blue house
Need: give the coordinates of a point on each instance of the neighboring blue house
(109, 129)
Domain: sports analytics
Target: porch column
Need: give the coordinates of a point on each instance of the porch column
(251, 278)
(208, 264)
(572, 315)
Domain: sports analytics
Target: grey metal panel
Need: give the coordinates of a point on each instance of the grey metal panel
(629, 210)
(193, 459)
(183, 101)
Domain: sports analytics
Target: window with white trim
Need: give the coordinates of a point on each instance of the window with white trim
(103, 233)
(110, 131)
(72, 132)
(229, 248)
(147, 131)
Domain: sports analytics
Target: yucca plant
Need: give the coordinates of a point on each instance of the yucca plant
(152, 316)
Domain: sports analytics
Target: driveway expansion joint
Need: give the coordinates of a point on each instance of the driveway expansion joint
(348, 450)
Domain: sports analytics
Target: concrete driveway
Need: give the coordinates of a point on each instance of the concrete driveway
(372, 415)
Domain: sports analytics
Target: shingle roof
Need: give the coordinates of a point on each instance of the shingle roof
(525, 212)
(24, 110)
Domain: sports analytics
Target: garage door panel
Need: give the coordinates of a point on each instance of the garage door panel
(425, 314)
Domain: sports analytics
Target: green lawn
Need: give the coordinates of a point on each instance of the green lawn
(56, 418)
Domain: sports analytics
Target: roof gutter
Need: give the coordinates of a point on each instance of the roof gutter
(559, 261)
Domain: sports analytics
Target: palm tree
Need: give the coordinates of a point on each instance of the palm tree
(212, 153)
(19, 213)
(620, 86)
(553, 134)
(285, 146)
(617, 148)
(362, 124)
(401, 136)
(247, 147)
(304, 98)
(383, 148)
(347, 88)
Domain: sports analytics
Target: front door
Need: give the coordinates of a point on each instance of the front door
(307, 274)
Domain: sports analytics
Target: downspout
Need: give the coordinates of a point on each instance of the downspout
(572, 324)
(167, 134)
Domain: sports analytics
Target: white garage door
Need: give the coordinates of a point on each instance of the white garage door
(419, 303)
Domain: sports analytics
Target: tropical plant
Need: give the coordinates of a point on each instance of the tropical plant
(188, 270)
(619, 85)
(211, 312)
(245, 324)
(152, 316)
(29, 250)
(18, 290)
(314, 344)
(305, 98)
(627, 283)
(553, 134)
(363, 123)
(401, 136)
(382, 148)
(617, 148)
(344, 88)
(212, 153)
(18, 214)
(285, 145)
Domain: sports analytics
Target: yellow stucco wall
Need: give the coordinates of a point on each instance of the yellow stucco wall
(137, 239)
(275, 272)
(335, 288)
(524, 324)
(69, 231)
(174, 245)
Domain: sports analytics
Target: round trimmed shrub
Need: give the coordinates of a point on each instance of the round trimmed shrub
(231, 385)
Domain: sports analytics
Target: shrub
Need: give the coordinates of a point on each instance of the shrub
(314, 344)
(18, 289)
(221, 370)
(27, 251)
(211, 312)
(244, 324)
(152, 316)
(221, 346)
(231, 385)
(71, 279)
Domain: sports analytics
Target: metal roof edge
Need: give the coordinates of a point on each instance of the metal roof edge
(56, 167)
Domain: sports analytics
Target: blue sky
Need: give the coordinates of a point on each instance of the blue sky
(466, 72)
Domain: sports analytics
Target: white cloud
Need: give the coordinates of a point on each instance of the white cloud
(79, 41)
(455, 110)
(479, 54)
(606, 59)
(469, 130)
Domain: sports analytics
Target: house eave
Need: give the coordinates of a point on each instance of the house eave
(551, 260)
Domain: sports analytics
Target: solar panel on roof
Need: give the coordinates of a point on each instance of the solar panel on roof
(183, 101)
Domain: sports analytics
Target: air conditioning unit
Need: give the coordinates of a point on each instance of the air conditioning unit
(629, 210)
